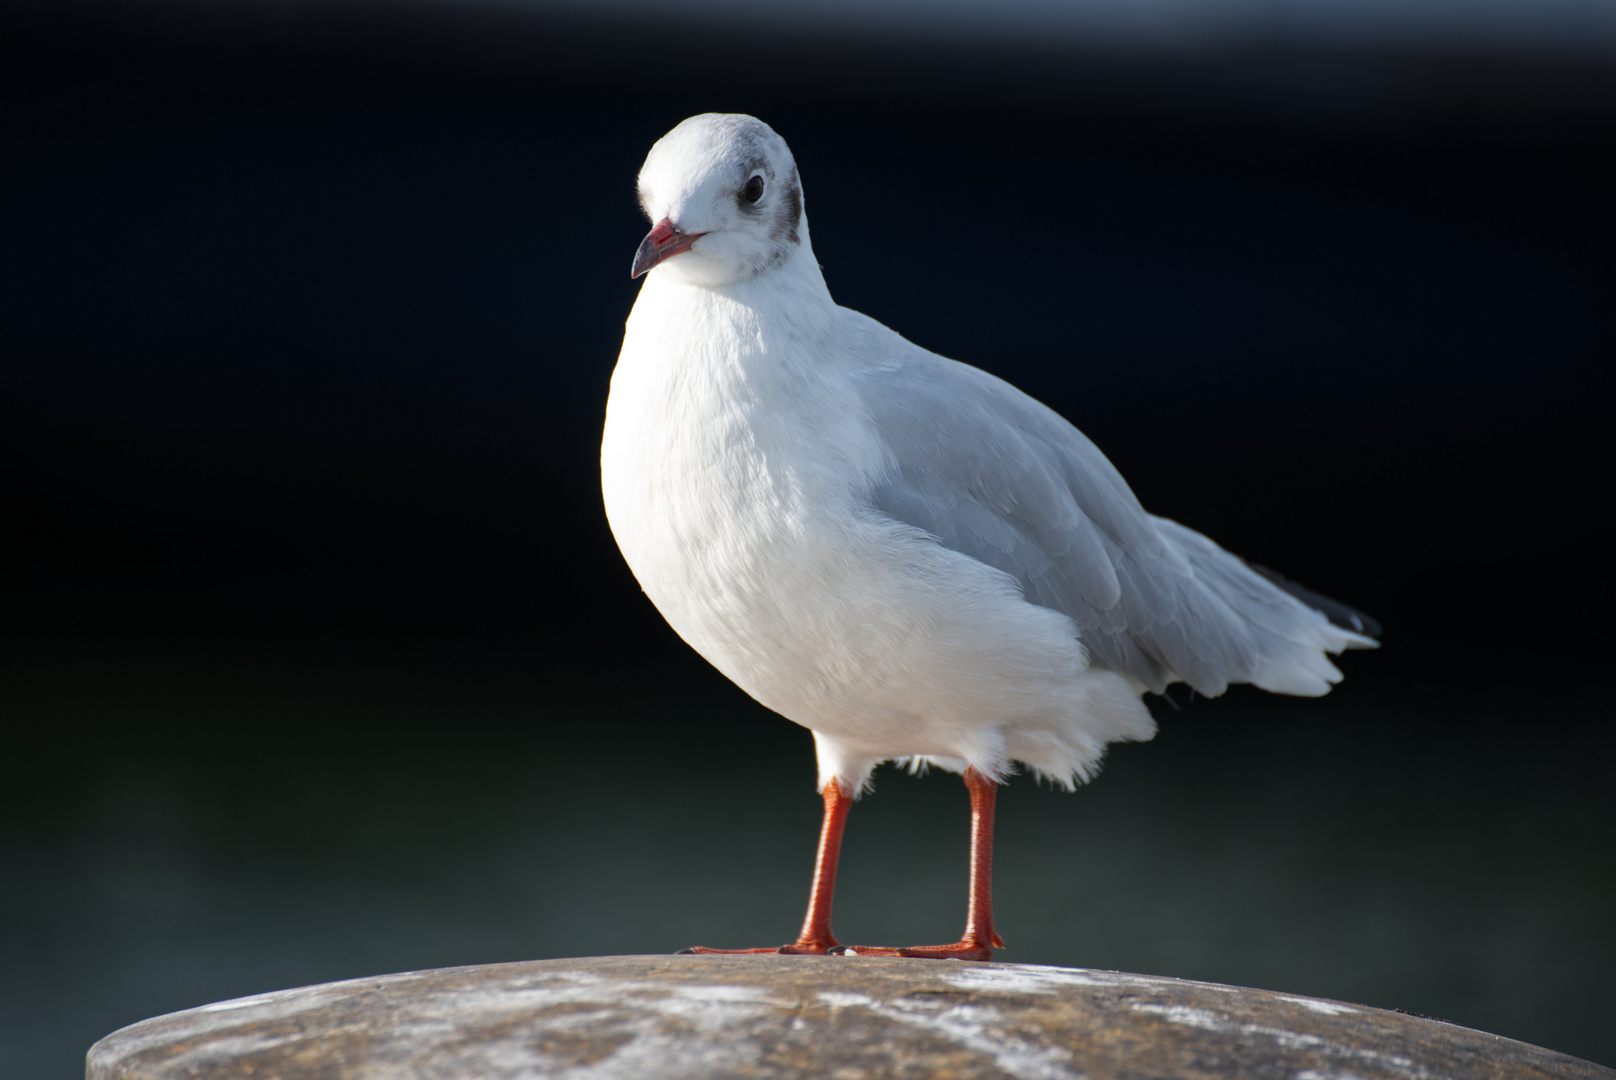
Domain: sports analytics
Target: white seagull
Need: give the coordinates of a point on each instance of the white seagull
(904, 554)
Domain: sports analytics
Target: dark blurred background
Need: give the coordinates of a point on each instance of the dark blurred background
(320, 661)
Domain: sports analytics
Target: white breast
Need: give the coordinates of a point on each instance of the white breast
(728, 467)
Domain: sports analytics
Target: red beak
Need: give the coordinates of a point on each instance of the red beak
(662, 242)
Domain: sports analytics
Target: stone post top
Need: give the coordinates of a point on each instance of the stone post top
(779, 1017)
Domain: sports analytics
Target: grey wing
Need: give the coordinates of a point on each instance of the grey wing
(996, 475)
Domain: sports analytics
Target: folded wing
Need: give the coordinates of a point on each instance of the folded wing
(996, 475)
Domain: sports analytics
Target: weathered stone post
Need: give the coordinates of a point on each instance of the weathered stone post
(779, 1017)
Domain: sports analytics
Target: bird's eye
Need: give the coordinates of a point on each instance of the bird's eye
(753, 191)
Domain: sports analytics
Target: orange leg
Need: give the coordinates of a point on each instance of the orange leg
(979, 940)
(815, 938)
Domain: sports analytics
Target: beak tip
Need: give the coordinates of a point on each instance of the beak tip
(643, 262)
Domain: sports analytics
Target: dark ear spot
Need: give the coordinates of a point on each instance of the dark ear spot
(791, 207)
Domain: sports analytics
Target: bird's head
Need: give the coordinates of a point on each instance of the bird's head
(722, 194)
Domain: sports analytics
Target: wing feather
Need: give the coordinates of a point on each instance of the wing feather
(995, 475)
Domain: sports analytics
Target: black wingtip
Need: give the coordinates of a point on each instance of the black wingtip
(1339, 614)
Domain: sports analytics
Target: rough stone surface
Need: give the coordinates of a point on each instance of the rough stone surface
(831, 1018)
